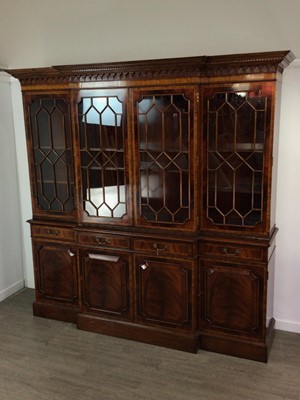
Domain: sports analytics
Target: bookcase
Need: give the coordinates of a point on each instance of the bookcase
(153, 198)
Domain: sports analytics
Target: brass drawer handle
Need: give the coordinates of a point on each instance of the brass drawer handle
(234, 253)
(53, 233)
(104, 257)
(158, 249)
(101, 240)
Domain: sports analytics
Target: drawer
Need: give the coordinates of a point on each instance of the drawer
(53, 232)
(163, 247)
(233, 251)
(104, 240)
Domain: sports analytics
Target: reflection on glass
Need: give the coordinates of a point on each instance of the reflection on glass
(102, 156)
(108, 202)
(164, 136)
(236, 133)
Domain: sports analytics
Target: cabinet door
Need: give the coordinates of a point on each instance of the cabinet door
(237, 157)
(55, 272)
(106, 283)
(232, 298)
(164, 292)
(103, 156)
(164, 153)
(50, 149)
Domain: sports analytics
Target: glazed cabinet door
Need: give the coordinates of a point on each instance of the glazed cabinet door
(106, 283)
(103, 155)
(232, 298)
(50, 151)
(55, 272)
(164, 292)
(237, 157)
(164, 156)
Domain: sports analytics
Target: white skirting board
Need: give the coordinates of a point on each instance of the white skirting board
(289, 326)
(11, 290)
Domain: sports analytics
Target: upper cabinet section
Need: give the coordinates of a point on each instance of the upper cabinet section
(237, 155)
(103, 156)
(177, 145)
(48, 120)
(164, 145)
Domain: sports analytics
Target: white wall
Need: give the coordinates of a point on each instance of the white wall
(23, 178)
(38, 33)
(11, 267)
(287, 278)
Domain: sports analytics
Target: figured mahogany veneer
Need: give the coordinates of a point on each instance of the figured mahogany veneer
(163, 247)
(103, 240)
(53, 233)
(152, 195)
(233, 251)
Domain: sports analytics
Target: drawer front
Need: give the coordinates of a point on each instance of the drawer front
(233, 251)
(53, 232)
(104, 240)
(163, 248)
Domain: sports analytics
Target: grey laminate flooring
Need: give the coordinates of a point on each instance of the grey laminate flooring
(50, 360)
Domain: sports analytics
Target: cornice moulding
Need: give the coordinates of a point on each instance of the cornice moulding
(202, 66)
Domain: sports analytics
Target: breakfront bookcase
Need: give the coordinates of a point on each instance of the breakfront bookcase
(153, 198)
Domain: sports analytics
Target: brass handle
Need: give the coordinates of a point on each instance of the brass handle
(101, 240)
(53, 233)
(103, 257)
(234, 253)
(158, 249)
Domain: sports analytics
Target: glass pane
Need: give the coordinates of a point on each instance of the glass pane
(102, 156)
(236, 134)
(172, 125)
(245, 130)
(52, 154)
(43, 126)
(244, 190)
(164, 137)
(152, 189)
(57, 122)
(224, 187)
(226, 127)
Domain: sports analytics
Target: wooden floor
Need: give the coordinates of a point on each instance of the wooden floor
(50, 360)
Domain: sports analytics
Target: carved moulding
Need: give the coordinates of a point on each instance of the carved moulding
(202, 66)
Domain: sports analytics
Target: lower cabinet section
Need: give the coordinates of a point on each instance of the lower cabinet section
(232, 314)
(231, 298)
(56, 281)
(164, 292)
(161, 299)
(106, 283)
(158, 310)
